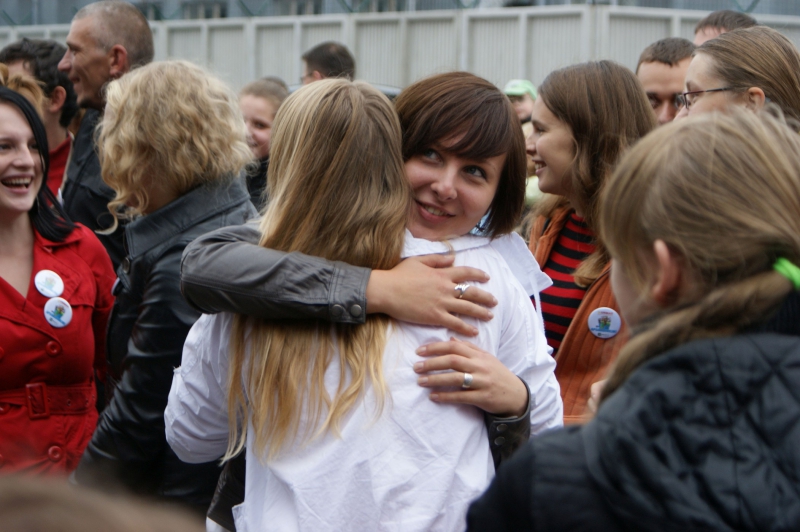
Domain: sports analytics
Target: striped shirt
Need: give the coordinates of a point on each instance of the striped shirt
(560, 302)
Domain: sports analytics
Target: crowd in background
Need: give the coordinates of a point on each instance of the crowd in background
(565, 307)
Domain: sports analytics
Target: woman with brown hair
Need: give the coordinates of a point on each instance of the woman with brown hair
(579, 133)
(745, 67)
(698, 426)
(334, 414)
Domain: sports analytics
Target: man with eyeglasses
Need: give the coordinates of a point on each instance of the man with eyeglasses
(661, 70)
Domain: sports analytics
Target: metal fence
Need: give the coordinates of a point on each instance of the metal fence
(399, 48)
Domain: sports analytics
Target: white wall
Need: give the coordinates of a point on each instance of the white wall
(399, 48)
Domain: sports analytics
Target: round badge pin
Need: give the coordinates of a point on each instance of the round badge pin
(58, 312)
(604, 322)
(48, 283)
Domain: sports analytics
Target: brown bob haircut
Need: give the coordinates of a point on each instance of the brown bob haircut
(461, 107)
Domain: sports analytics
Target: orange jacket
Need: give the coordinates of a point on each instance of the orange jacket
(583, 358)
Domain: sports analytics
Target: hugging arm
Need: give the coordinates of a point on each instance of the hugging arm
(227, 271)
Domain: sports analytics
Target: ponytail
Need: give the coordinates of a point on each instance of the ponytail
(723, 193)
(729, 309)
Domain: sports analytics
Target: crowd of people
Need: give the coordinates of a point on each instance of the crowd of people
(331, 310)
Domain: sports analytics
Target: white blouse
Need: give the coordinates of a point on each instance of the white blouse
(419, 464)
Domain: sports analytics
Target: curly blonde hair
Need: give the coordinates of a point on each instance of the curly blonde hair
(173, 122)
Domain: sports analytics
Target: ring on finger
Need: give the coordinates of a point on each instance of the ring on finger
(467, 384)
(461, 288)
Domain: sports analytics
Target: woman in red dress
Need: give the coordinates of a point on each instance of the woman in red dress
(55, 296)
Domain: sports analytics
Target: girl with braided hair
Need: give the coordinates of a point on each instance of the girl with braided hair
(699, 420)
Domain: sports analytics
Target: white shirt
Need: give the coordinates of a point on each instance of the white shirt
(415, 467)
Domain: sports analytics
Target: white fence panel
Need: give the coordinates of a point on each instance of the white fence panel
(554, 42)
(275, 53)
(187, 42)
(432, 47)
(628, 36)
(687, 28)
(379, 50)
(494, 47)
(314, 34)
(398, 48)
(6, 38)
(228, 55)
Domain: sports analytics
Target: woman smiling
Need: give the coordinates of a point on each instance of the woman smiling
(55, 297)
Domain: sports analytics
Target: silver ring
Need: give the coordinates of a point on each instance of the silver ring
(461, 288)
(467, 381)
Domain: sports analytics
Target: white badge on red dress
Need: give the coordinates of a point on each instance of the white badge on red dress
(604, 322)
(48, 283)
(58, 312)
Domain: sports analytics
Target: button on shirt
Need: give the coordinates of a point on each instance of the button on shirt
(419, 464)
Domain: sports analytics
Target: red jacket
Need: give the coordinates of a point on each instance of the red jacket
(47, 392)
(582, 358)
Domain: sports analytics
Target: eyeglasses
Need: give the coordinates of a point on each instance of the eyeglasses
(684, 100)
(656, 101)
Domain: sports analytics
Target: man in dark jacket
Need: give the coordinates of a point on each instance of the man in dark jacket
(106, 40)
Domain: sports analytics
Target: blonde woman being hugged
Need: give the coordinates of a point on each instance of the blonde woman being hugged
(698, 427)
(338, 434)
(172, 146)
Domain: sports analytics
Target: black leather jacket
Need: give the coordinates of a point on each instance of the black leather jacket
(85, 194)
(146, 332)
(702, 437)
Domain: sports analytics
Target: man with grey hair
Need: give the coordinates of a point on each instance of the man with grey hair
(106, 40)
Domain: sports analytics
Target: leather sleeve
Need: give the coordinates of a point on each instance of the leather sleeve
(129, 442)
(227, 271)
(92, 251)
(506, 435)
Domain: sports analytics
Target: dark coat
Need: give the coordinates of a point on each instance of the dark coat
(703, 437)
(257, 184)
(85, 194)
(146, 332)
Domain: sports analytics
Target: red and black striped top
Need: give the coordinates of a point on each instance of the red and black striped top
(560, 302)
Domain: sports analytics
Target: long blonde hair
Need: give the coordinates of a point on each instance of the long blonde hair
(337, 191)
(173, 123)
(723, 192)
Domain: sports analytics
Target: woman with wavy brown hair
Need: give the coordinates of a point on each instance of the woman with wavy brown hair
(580, 131)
